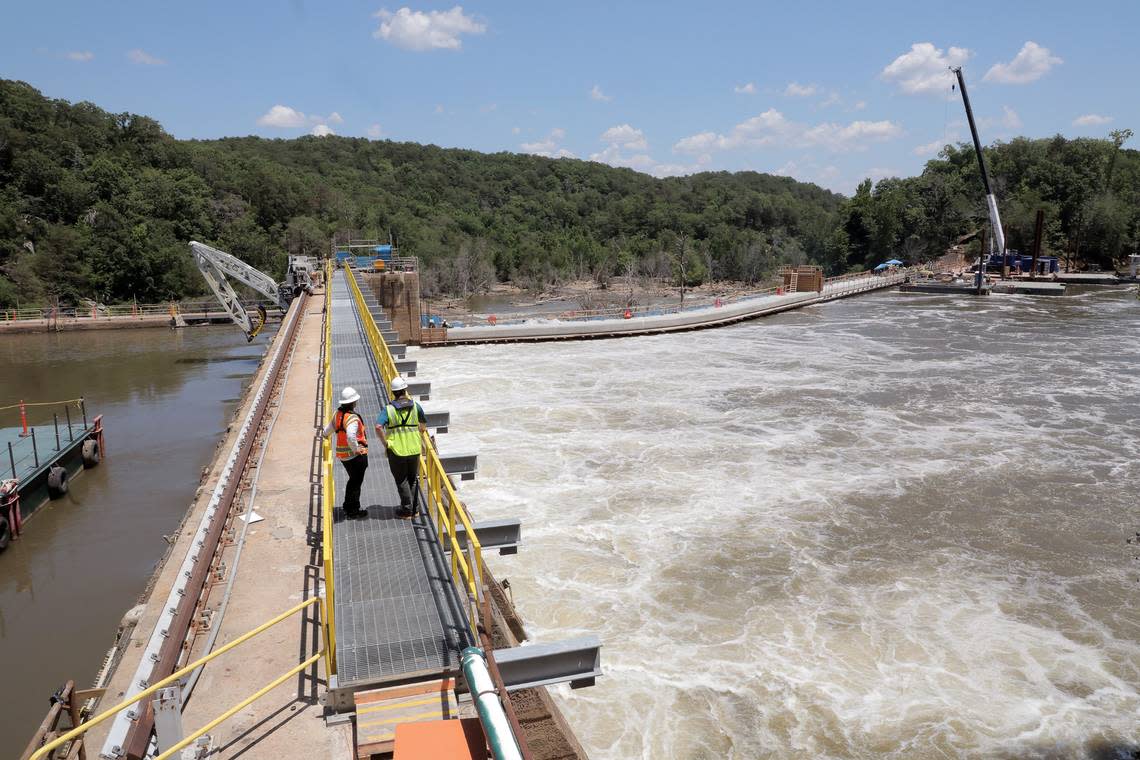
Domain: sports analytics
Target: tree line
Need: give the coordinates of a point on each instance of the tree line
(100, 205)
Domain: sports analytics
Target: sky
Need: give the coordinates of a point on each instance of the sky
(825, 92)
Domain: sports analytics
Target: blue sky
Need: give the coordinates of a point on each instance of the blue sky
(826, 92)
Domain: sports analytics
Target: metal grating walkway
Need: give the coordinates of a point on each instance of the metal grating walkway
(396, 612)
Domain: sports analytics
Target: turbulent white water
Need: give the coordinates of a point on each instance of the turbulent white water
(892, 526)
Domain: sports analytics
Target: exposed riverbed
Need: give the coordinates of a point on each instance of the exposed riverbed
(166, 397)
(890, 526)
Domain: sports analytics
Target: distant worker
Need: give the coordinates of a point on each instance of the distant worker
(351, 449)
(400, 425)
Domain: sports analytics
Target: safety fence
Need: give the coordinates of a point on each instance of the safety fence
(445, 509)
(121, 311)
(170, 746)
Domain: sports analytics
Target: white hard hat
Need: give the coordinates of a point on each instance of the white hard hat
(349, 395)
(399, 384)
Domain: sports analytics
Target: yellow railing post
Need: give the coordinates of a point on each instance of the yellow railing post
(177, 675)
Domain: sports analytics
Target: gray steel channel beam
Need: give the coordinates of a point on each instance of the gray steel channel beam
(504, 535)
(578, 661)
(421, 389)
(459, 462)
(437, 419)
(406, 367)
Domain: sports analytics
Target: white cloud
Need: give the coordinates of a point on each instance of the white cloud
(322, 130)
(83, 56)
(488, 108)
(1030, 64)
(515, 130)
(626, 137)
(549, 145)
(796, 90)
(420, 31)
(786, 170)
(283, 117)
(597, 94)
(375, 132)
(144, 58)
(931, 148)
(830, 100)
(1091, 120)
(745, 89)
(334, 118)
(772, 128)
(860, 105)
(878, 172)
(925, 69)
(1010, 119)
(438, 108)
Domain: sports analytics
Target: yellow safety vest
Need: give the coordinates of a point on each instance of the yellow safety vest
(403, 428)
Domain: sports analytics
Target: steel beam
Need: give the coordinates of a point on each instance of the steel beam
(504, 535)
(578, 661)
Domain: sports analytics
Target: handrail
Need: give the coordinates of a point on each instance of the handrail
(328, 487)
(443, 504)
(87, 725)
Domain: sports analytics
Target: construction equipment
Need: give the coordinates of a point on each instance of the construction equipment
(215, 265)
(998, 238)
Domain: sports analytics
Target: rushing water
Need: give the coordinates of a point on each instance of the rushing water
(892, 526)
(166, 397)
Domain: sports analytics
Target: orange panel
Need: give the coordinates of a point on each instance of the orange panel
(441, 740)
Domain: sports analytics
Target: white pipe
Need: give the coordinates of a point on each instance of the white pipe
(491, 714)
(995, 223)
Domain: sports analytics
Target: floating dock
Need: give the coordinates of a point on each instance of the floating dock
(39, 461)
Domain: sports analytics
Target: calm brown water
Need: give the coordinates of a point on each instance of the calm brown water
(166, 397)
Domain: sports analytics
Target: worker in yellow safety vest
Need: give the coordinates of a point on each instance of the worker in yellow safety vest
(351, 449)
(400, 425)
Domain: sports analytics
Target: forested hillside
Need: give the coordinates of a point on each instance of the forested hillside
(101, 205)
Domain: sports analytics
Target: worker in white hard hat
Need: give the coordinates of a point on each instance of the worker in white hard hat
(400, 426)
(351, 449)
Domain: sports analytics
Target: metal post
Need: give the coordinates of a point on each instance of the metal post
(1038, 230)
(35, 451)
(11, 459)
(70, 435)
(168, 717)
(981, 276)
(55, 418)
(23, 420)
(83, 406)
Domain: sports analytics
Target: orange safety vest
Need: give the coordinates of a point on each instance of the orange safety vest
(343, 450)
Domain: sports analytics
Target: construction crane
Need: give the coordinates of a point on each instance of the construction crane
(998, 236)
(216, 265)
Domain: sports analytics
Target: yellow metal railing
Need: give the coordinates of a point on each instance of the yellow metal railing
(328, 488)
(444, 506)
(176, 676)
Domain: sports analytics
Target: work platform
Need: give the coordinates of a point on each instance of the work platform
(396, 612)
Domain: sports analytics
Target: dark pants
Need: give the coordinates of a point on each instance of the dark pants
(404, 472)
(355, 468)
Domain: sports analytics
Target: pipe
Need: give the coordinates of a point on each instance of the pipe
(491, 715)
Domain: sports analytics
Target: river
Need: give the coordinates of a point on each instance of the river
(891, 526)
(167, 397)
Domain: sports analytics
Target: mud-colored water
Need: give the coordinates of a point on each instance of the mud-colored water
(166, 397)
(892, 526)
